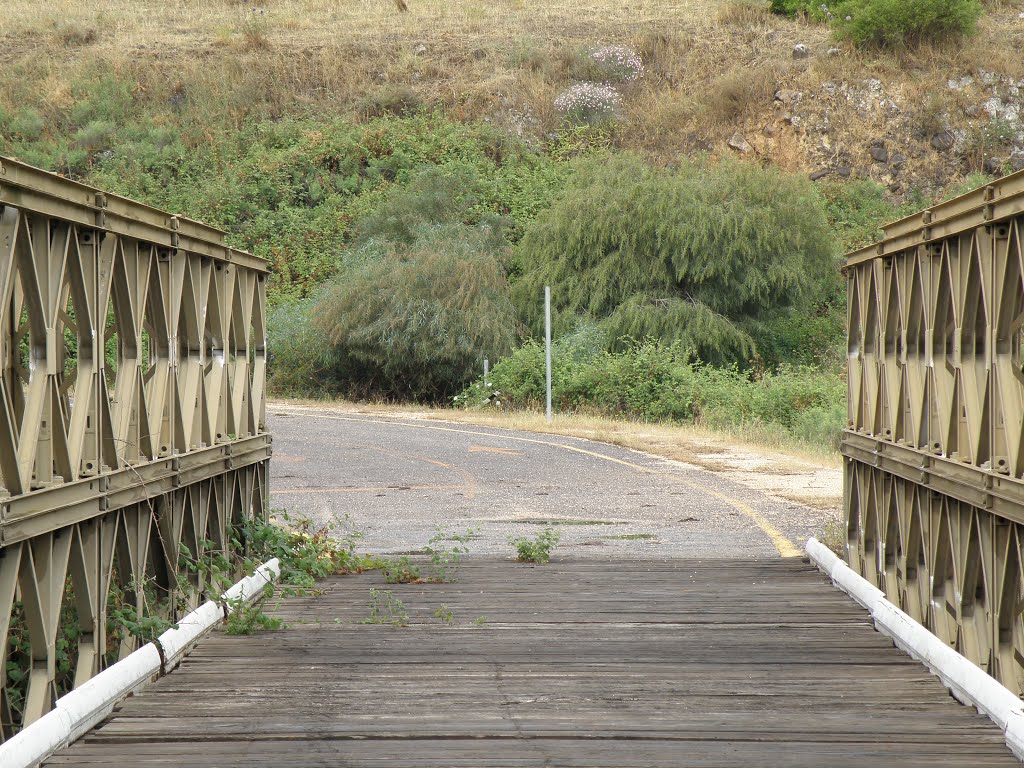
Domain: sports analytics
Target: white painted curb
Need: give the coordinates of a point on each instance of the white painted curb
(86, 706)
(967, 682)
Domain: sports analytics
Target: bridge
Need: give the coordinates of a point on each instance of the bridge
(677, 623)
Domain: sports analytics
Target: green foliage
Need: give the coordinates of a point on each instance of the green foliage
(691, 255)
(537, 549)
(400, 571)
(296, 365)
(652, 381)
(434, 196)
(413, 323)
(810, 9)
(248, 618)
(397, 100)
(385, 608)
(306, 552)
(446, 550)
(444, 613)
(895, 23)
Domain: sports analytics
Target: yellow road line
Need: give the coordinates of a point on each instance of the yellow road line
(351, 489)
(783, 545)
(489, 449)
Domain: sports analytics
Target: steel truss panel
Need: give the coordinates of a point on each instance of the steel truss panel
(934, 446)
(132, 422)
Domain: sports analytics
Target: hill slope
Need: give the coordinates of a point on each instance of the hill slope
(716, 71)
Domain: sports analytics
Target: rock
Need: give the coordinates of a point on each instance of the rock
(844, 171)
(820, 174)
(479, 54)
(898, 161)
(896, 187)
(1017, 160)
(740, 144)
(993, 166)
(834, 52)
(878, 151)
(943, 141)
(959, 85)
(801, 51)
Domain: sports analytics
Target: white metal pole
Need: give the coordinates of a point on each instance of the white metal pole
(487, 366)
(547, 343)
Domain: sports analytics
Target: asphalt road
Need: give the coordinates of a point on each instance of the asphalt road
(397, 480)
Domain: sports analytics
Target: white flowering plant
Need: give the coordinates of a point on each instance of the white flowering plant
(618, 63)
(590, 103)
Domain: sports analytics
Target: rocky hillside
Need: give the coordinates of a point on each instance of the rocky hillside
(718, 76)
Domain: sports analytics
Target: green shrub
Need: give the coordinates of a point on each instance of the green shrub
(893, 23)
(652, 381)
(691, 255)
(808, 8)
(414, 323)
(296, 365)
(398, 100)
(537, 549)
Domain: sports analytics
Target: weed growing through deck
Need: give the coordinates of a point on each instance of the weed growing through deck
(385, 608)
(480, 621)
(246, 619)
(444, 558)
(400, 571)
(537, 549)
(444, 613)
(307, 552)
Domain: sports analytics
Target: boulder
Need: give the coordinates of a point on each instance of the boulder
(740, 143)
(878, 151)
(943, 141)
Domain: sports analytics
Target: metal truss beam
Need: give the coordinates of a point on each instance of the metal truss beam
(132, 422)
(934, 446)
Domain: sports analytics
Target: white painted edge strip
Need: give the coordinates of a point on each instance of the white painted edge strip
(76, 713)
(968, 683)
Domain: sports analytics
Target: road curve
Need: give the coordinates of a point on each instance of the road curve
(397, 479)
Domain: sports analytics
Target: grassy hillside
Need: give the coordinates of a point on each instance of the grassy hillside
(713, 68)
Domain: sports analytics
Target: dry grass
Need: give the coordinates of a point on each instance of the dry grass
(712, 67)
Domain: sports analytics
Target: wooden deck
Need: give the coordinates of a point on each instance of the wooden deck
(583, 663)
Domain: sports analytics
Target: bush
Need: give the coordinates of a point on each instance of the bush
(391, 100)
(893, 23)
(807, 8)
(693, 255)
(618, 64)
(589, 104)
(652, 381)
(296, 364)
(537, 549)
(414, 323)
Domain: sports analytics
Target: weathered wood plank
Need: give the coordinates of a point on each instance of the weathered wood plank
(670, 663)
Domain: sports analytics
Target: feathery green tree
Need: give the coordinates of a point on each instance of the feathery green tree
(696, 254)
(414, 322)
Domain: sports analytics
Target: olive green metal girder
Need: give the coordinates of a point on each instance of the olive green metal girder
(132, 418)
(934, 448)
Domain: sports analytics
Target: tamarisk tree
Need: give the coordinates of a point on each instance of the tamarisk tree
(702, 254)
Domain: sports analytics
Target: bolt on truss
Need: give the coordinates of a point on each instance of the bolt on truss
(133, 432)
(934, 447)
